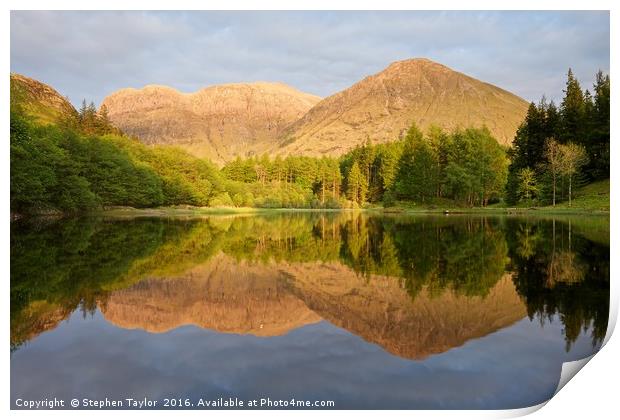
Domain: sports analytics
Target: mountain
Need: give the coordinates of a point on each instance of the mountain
(381, 107)
(243, 119)
(217, 122)
(40, 100)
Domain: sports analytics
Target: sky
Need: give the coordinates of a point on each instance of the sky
(88, 55)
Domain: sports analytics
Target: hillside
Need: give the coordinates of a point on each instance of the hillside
(39, 100)
(217, 122)
(381, 107)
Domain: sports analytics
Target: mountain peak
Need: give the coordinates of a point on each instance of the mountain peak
(414, 66)
(415, 62)
(384, 105)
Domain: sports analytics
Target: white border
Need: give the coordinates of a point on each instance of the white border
(593, 394)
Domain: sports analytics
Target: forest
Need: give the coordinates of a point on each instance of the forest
(84, 163)
(557, 148)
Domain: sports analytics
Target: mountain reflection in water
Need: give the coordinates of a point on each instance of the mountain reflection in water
(414, 286)
(272, 299)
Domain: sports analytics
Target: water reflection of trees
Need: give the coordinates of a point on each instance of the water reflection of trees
(558, 272)
(465, 255)
(58, 267)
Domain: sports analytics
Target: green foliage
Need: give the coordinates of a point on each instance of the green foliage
(466, 166)
(418, 170)
(357, 184)
(582, 120)
(291, 182)
(44, 176)
(92, 121)
(598, 139)
(573, 110)
(85, 163)
(59, 169)
(527, 189)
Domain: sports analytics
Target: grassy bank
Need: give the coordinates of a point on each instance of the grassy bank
(198, 211)
(594, 196)
(206, 211)
(592, 199)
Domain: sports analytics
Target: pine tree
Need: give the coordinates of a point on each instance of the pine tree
(528, 149)
(389, 157)
(105, 117)
(552, 122)
(572, 111)
(599, 140)
(413, 134)
(440, 142)
(83, 110)
(404, 185)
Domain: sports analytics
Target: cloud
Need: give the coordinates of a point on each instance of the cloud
(90, 54)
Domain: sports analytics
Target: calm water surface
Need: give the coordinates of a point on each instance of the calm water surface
(369, 312)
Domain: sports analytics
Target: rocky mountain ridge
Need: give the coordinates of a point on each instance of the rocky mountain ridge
(247, 119)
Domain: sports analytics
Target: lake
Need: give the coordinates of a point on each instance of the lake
(367, 311)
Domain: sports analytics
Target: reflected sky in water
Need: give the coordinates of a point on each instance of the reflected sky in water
(515, 367)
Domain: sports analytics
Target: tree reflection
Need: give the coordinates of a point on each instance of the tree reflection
(59, 266)
(558, 272)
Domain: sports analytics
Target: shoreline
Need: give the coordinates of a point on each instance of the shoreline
(211, 211)
(189, 211)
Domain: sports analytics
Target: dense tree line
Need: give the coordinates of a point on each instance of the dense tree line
(82, 164)
(90, 165)
(294, 181)
(91, 121)
(554, 148)
(466, 166)
(60, 168)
